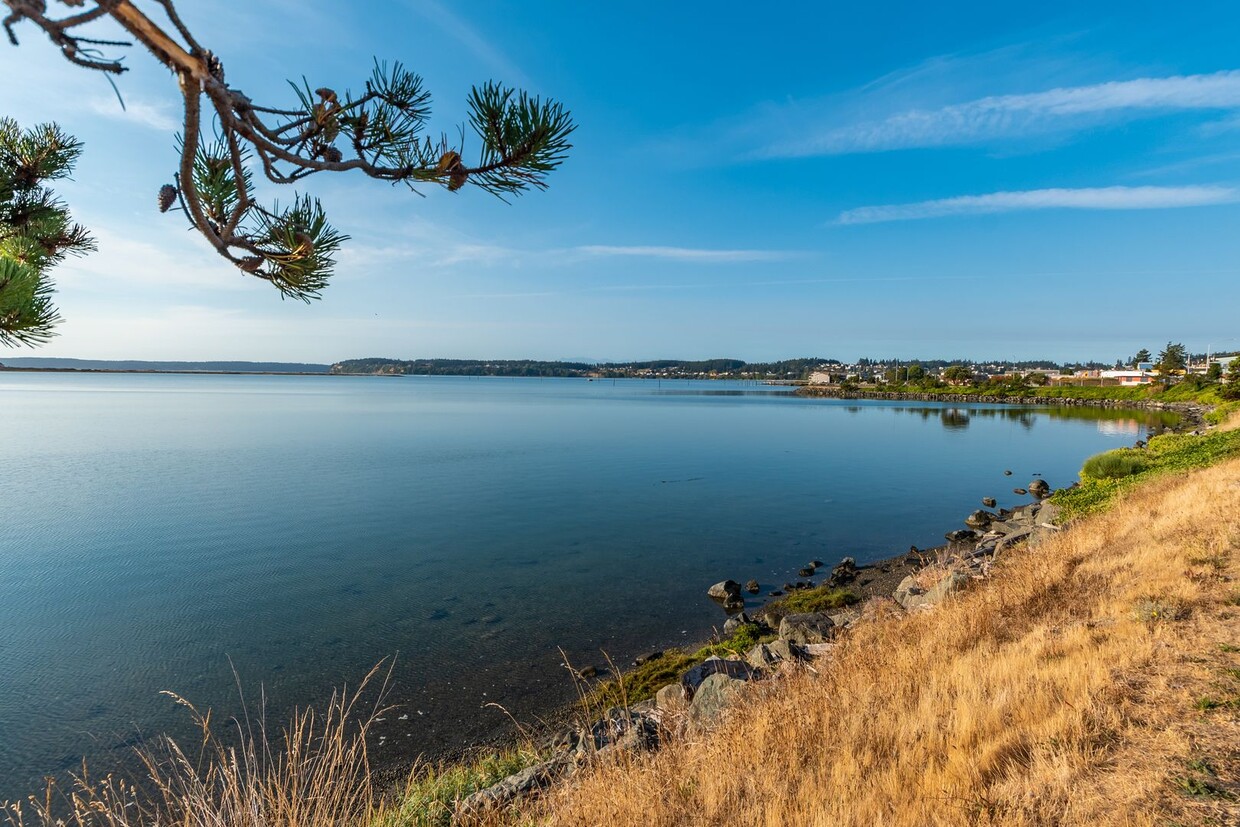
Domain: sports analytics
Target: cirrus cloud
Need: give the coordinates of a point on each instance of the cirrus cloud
(1086, 198)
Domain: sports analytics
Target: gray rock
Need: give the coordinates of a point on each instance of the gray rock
(1048, 514)
(671, 699)
(735, 622)
(694, 677)
(811, 627)
(768, 655)
(1039, 487)
(716, 694)
(724, 590)
(907, 589)
(989, 502)
(752, 587)
(911, 596)
(978, 519)
(964, 535)
(805, 572)
(516, 786)
(1014, 538)
(1020, 492)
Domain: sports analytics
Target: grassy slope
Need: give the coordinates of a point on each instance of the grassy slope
(1094, 681)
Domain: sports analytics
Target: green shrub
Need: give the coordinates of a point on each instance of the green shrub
(1122, 462)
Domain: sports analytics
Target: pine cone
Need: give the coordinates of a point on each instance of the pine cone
(250, 264)
(332, 155)
(457, 178)
(449, 162)
(167, 197)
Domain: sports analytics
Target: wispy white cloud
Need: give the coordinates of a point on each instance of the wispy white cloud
(685, 253)
(1008, 116)
(1089, 198)
(135, 111)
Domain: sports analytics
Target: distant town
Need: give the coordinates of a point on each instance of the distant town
(1143, 368)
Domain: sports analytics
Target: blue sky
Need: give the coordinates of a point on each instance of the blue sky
(903, 179)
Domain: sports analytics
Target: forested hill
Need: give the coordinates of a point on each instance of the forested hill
(702, 369)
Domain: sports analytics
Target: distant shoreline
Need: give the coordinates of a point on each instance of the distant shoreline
(7, 369)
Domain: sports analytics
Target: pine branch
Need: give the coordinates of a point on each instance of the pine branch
(381, 133)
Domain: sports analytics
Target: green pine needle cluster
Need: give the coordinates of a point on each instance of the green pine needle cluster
(36, 231)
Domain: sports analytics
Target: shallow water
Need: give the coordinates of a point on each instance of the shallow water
(156, 528)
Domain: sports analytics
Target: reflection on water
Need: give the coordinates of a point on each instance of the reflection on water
(160, 530)
(1110, 421)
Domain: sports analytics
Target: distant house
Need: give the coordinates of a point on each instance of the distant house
(1129, 377)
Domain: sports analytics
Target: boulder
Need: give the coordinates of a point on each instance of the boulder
(844, 572)
(816, 564)
(811, 627)
(775, 593)
(978, 519)
(1020, 492)
(516, 786)
(1007, 473)
(1039, 488)
(964, 535)
(1048, 514)
(752, 587)
(769, 655)
(691, 680)
(640, 660)
(989, 502)
(907, 589)
(734, 604)
(725, 590)
(912, 596)
(715, 694)
(671, 699)
(1013, 539)
(735, 622)
(805, 572)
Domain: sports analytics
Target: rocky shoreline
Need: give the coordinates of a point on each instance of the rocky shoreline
(785, 640)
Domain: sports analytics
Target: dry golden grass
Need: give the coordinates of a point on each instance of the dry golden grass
(1087, 683)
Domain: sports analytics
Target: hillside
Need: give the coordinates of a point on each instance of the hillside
(1094, 680)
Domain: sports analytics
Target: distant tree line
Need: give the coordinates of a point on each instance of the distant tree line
(718, 368)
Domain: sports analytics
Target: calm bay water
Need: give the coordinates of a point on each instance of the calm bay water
(155, 527)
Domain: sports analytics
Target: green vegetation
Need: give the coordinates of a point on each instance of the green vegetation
(36, 232)
(1103, 477)
(383, 131)
(642, 682)
(430, 796)
(820, 599)
(1123, 462)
